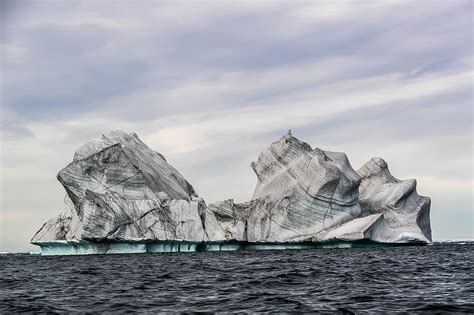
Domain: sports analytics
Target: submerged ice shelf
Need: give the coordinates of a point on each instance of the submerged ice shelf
(94, 248)
(82, 247)
(123, 197)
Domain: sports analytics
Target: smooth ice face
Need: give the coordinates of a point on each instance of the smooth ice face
(126, 248)
(71, 248)
(58, 248)
(93, 248)
(357, 229)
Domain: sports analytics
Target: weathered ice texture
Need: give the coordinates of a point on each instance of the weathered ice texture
(309, 194)
(124, 197)
(226, 220)
(66, 226)
(122, 190)
(405, 213)
(391, 210)
(300, 191)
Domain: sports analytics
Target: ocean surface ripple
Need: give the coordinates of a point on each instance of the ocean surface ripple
(436, 278)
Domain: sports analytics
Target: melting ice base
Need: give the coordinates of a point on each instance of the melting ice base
(137, 247)
(85, 247)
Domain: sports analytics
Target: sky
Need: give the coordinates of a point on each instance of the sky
(210, 84)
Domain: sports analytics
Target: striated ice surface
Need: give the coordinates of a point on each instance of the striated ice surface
(406, 215)
(301, 191)
(123, 197)
(306, 194)
(226, 220)
(119, 189)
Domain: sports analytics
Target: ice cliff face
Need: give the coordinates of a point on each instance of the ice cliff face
(122, 190)
(119, 190)
(306, 194)
(405, 213)
(299, 192)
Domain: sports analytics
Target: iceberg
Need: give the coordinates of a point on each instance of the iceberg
(123, 197)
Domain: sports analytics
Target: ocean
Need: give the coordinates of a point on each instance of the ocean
(433, 278)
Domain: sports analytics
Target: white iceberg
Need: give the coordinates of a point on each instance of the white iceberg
(123, 197)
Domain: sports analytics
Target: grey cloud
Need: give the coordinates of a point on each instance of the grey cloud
(436, 116)
(72, 70)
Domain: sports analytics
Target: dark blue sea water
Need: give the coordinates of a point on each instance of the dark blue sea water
(436, 278)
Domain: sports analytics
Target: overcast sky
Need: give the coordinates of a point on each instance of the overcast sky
(210, 84)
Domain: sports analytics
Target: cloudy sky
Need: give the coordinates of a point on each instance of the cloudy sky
(210, 84)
